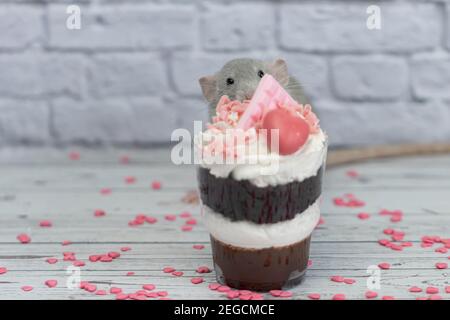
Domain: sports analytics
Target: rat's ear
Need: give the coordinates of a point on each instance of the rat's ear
(208, 84)
(278, 69)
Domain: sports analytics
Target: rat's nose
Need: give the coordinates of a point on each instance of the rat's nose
(248, 96)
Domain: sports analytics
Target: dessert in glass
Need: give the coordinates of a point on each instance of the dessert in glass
(260, 200)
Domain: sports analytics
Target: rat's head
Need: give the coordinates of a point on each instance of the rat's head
(239, 78)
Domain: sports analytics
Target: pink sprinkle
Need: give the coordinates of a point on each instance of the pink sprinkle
(151, 220)
(124, 159)
(66, 243)
(106, 258)
(415, 289)
(69, 256)
(27, 288)
(115, 290)
(45, 223)
(90, 287)
(213, 286)
(384, 266)
(52, 260)
(245, 297)
(124, 249)
(3, 270)
(185, 214)
(363, 216)
(197, 280)
(352, 173)
(74, 155)
(435, 297)
(320, 222)
(94, 258)
(23, 238)
(441, 250)
(203, 269)
(152, 294)
(130, 273)
(121, 296)
(339, 296)
(156, 185)
(100, 292)
(447, 289)
(396, 247)
(397, 237)
(99, 213)
(396, 219)
(245, 292)
(170, 217)
(51, 283)
(275, 293)
(232, 294)
(432, 290)
(130, 180)
(257, 296)
(286, 294)
(105, 191)
(349, 281)
(177, 273)
(79, 264)
(407, 244)
(441, 265)
(198, 246)
(191, 221)
(310, 262)
(388, 231)
(223, 288)
(186, 228)
(168, 270)
(162, 293)
(114, 254)
(337, 279)
(387, 298)
(149, 287)
(371, 294)
(383, 242)
(314, 296)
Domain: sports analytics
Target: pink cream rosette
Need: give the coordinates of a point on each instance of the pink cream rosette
(223, 127)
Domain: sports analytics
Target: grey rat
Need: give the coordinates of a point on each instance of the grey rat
(239, 78)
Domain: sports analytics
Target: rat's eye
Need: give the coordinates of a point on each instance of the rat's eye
(261, 73)
(230, 81)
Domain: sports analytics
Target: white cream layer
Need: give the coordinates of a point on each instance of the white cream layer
(247, 234)
(273, 169)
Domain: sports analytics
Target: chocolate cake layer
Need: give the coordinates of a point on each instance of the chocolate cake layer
(241, 200)
(260, 269)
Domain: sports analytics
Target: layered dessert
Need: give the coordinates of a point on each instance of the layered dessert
(260, 197)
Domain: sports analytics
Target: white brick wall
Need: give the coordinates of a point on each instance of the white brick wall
(129, 76)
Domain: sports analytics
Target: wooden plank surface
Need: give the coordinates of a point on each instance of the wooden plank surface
(45, 184)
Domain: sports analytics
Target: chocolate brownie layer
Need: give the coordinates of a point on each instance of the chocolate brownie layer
(241, 200)
(260, 269)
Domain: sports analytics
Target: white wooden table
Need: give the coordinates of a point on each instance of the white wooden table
(38, 185)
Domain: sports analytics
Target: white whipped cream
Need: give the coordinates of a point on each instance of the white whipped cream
(263, 168)
(246, 234)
